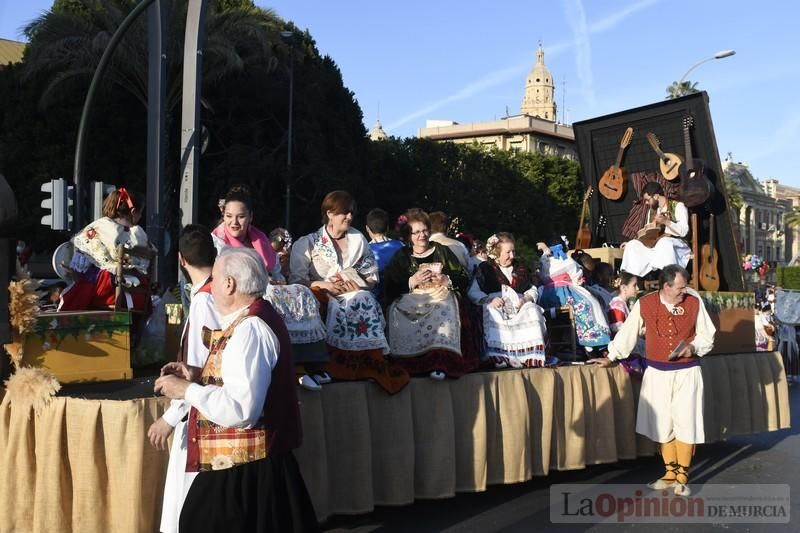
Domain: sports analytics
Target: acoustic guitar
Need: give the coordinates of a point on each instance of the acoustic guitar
(709, 273)
(669, 163)
(696, 189)
(613, 184)
(583, 239)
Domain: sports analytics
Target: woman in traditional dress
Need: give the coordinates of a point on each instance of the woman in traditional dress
(95, 263)
(513, 325)
(336, 263)
(562, 285)
(236, 230)
(295, 303)
(618, 311)
(425, 324)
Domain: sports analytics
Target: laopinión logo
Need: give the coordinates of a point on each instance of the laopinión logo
(718, 504)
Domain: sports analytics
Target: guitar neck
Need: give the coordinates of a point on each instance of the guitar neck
(656, 147)
(687, 146)
(618, 162)
(711, 235)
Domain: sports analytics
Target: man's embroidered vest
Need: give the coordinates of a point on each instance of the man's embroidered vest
(665, 330)
(278, 430)
(671, 204)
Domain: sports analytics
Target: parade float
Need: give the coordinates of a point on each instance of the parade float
(80, 460)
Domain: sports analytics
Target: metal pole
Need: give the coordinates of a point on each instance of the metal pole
(190, 109)
(289, 143)
(80, 145)
(156, 137)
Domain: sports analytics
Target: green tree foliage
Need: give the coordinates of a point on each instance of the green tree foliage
(676, 90)
(536, 197)
(245, 109)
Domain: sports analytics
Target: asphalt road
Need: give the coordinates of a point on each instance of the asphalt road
(763, 458)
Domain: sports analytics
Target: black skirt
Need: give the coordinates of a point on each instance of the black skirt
(263, 496)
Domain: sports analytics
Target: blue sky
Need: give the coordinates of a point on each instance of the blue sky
(467, 61)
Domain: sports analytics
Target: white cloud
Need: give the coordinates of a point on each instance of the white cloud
(513, 71)
(576, 19)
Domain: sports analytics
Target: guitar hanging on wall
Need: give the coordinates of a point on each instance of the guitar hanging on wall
(583, 239)
(696, 189)
(669, 163)
(709, 273)
(613, 184)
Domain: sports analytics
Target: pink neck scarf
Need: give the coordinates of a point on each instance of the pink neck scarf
(256, 239)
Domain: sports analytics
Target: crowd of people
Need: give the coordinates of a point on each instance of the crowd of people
(268, 312)
(380, 308)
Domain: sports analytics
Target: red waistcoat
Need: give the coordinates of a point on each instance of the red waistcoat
(664, 330)
(278, 430)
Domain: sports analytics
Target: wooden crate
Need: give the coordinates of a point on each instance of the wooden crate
(81, 345)
(612, 256)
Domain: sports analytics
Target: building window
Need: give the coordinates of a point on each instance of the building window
(543, 147)
(769, 253)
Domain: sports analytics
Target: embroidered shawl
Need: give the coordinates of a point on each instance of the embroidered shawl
(99, 240)
(314, 258)
(491, 277)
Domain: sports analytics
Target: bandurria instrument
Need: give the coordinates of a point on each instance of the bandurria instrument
(669, 163)
(613, 184)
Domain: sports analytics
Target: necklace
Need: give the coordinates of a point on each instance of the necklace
(339, 238)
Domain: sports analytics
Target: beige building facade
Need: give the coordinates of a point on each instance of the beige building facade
(523, 133)
(534, 130)
(760, 219)
(789, 198)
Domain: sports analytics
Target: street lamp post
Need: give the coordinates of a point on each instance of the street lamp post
(719, 55)
(289, 37)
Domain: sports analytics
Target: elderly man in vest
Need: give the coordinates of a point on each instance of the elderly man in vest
(677, 332)
(244, 419)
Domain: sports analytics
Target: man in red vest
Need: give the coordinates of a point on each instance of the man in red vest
(244, 419)
(677, 332)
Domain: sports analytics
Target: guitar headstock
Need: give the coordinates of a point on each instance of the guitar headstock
(602, 221)
(654, 141)
(688, 122)
(588, 193)
(626, 138)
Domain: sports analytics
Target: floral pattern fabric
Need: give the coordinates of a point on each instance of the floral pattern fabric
(299, 309)
(99, 241)
(562, 287)
(424, 320)
(354, 320)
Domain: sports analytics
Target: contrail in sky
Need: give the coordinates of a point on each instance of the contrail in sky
(504, 75)
(576, 19)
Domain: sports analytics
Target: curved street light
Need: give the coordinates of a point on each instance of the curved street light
(719, 55)
(288, 36)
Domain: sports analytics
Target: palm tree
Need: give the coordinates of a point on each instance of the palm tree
(792, 219)
(66, 44)
(676, 90)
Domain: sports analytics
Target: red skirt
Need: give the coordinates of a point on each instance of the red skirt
(101, 294)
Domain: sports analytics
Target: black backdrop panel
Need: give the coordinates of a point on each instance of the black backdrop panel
(598, 144)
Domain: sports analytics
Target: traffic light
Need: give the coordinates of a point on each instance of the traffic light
(59, 203)
(97, 193)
